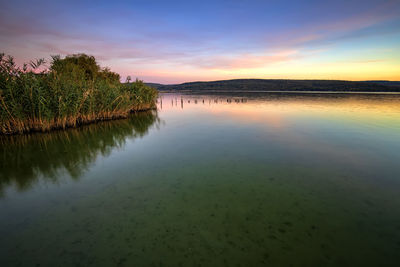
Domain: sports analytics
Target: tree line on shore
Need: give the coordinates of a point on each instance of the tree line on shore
(280, 85)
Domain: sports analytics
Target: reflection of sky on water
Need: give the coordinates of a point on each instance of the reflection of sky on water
(358, 130)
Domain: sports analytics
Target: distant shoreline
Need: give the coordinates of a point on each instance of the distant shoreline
(266, 91)
(293, 86)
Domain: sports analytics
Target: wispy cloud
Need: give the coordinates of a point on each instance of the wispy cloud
(157, 45)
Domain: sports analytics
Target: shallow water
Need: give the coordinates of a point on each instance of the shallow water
(217, 180)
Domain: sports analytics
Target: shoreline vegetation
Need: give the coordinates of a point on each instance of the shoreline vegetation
(71, 92)
(290, 86)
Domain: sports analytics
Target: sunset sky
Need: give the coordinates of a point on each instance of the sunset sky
(181, 41)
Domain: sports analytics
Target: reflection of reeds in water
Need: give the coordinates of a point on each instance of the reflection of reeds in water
(27, 158)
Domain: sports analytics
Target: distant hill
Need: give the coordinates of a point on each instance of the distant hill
(249, 85)
(154, 85)
(390, 83)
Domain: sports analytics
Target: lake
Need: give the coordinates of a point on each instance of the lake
(210, 180)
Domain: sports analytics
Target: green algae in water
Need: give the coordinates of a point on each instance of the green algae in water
(273, 180)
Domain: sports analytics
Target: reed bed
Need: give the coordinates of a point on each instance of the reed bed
(72, 91)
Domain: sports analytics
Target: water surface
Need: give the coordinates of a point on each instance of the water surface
(210, 180)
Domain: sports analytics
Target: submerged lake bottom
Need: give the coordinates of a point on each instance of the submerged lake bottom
(266, 179)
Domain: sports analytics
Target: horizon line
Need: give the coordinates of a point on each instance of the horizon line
(283, 79)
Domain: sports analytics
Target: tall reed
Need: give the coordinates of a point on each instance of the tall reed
(74, 90)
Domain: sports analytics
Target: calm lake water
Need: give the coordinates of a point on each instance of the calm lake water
(210, 180)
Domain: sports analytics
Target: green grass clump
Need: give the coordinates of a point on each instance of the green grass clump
(74, 90)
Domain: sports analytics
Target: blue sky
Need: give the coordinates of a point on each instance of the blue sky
(178, 41)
